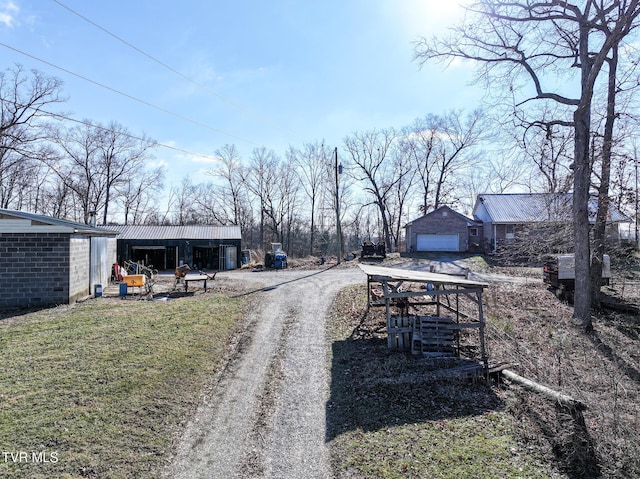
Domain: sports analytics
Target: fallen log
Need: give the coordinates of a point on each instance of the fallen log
(620, 307)
(559, 397)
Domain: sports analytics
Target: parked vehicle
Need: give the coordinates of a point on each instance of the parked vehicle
(371, 249)
(559, 272)
(276, 258)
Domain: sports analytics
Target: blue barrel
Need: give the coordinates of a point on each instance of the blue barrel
(97, 290)
(123, 289)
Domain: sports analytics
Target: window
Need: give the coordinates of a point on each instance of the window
(509, 232)
(473, 231)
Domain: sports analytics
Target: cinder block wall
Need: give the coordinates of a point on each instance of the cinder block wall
(79, 267)
(34, 269)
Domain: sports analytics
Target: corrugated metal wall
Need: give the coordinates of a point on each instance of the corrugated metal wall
(103, 255)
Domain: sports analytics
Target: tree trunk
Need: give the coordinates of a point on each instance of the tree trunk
(581, 182)
(385, 225)
(582, 302)
(600, 229)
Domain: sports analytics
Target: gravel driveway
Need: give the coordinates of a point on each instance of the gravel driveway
(266, 415)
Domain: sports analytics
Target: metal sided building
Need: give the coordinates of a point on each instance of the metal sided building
(213, 248)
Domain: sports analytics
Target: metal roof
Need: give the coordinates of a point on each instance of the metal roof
(392, 274)
(539, 207)
(62, 225)
(188, 232)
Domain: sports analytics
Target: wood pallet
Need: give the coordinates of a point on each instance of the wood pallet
(434, 336)
(399, 333)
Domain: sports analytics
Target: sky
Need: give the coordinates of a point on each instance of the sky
(196, 75)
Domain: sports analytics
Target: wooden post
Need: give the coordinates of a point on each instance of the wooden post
(387, 303)
(483, 352)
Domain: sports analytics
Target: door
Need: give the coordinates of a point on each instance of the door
(100, 262)
(430, 242)
(228, 257)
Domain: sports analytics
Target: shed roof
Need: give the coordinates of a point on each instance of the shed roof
(391, 274)
(539, 207)
(188, 232)
(14, 221)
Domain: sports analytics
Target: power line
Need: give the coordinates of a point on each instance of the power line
(173, 70)
(131, 97)
(128, 135)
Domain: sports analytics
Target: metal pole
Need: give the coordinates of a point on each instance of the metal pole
(338, 229)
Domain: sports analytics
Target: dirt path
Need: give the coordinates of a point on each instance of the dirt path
(266, 416)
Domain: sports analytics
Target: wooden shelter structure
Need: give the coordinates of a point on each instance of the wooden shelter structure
(428, 313)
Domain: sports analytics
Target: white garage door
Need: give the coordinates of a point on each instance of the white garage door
(437, 243)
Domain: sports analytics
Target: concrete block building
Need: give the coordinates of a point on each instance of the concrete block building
(48, 261)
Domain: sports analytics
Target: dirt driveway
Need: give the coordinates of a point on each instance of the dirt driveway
(265, 417)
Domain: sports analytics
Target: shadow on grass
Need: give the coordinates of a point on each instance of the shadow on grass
(373, 388)
(173, 295)
(610, 353)
(567, 433)
(15, 313)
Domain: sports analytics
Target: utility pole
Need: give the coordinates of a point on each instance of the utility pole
(636, 195)
(338, 229)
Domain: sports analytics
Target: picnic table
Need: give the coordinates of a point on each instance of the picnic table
(199, 277)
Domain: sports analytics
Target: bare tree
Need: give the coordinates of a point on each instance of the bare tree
(121, 157)
(137, 194)
(536, 44)
(262, 183)
(400, 193)
(419, 142)
(231, 192)
(442, 147)
(496, 174)
(181, 203)
(369, 152)
(95, 161)
(287, 208)
(550, 149)
(311, 165)
(458, 136)
(24, 98)
(74, 167)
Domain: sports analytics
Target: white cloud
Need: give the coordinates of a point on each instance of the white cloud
(158, 164)
(188, 155)
(45, 43)
(204, 159)
(8, 14)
